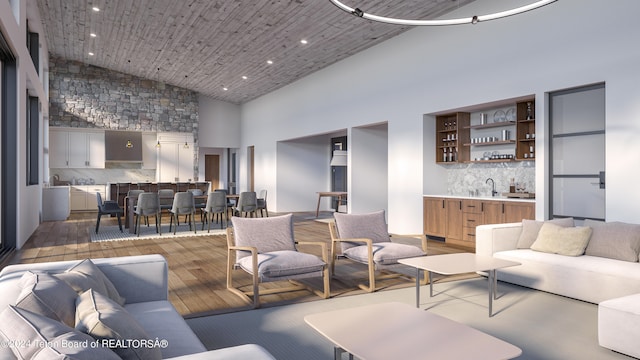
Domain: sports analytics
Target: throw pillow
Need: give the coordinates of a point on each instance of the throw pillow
(102, 318)
(614, 240)
(38, 337)
(555, 239)
(531, 228)
(86, 275)
(48, 296)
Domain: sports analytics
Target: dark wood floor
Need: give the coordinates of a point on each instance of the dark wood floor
(197, 265)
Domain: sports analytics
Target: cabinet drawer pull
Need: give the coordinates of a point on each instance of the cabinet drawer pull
(470, 220)
(471, 234)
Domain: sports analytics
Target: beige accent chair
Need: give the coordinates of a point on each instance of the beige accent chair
(364, 238)
(266, 249)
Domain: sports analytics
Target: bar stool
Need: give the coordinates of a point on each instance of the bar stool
(145, 186)
(122, 191)
(182, 186)
(165, 185)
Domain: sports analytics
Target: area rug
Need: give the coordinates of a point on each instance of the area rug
(112, 233)
(545, 326)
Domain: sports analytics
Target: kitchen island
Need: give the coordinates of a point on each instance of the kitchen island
(118, 191)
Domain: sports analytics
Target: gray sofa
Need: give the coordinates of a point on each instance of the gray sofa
(143, 283)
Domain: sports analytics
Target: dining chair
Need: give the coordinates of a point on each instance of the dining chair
(247, 204)
(133, 194)
(165, 197)
(199, 200)
(148, 204)
(231, 203)
(266, 249)
(109, 207)
(262, 203)
(182, 205)
(363, 238)
(216, 205)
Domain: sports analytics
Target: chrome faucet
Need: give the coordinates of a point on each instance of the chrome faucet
(493, 187)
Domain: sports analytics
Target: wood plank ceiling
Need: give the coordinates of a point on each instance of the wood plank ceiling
(205, 45)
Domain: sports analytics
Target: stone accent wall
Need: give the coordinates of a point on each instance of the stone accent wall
(87, 96)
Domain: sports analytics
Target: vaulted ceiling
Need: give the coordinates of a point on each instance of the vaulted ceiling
(210, 45)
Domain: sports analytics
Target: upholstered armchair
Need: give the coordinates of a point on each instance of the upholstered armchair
(266, 249)
(364, 238)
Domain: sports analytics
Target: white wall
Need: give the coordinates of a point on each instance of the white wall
(369, 169)
(219, 123)
(429, 69)
(28, 80)
(302, 170)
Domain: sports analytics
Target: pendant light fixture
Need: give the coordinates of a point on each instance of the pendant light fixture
(439, 22)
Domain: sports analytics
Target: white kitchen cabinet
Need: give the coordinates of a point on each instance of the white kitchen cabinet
(76, 148)
(83, 197)
(149, 151)
(58, 149)
(175, 161)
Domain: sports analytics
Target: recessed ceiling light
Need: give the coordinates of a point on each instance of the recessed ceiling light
(224, 88)
(92, 35)
(269, 62)
(244, 77)
(96, 9)
(304, 42)
(91, 54)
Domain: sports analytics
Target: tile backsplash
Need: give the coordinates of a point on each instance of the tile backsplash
(105, 176)
(463, 178)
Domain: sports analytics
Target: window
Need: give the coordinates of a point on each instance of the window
(33, 45)
(33, 137)
(8, 131)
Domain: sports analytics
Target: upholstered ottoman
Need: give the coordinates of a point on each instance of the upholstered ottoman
(619, 324)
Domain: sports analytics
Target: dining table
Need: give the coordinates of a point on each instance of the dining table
(166, 203)
(339, 194)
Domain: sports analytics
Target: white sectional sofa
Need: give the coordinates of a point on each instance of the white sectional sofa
(588, 278)
(608, 274)
(141, 282)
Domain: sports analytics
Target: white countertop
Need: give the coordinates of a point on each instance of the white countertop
(497, 198)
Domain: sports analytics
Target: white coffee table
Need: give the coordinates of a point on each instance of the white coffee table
(400, 331)
(452, 264)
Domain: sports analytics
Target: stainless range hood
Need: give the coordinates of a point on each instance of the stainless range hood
(123, 146)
